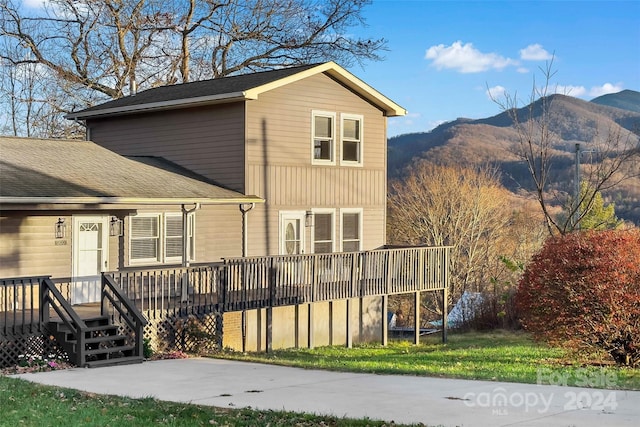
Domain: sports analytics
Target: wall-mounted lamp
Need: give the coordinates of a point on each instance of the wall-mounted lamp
(308, 219)
(60, 228)
(115, 226)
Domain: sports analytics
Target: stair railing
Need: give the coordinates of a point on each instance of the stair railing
(127, 310)
(50, 296)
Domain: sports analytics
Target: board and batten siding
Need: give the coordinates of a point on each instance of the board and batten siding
(279, 165)
(208, 140)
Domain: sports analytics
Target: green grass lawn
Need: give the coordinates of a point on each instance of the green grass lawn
(499, 356)
(495, 356)
(26, 404)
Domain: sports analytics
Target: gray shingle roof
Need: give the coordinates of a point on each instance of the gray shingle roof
(219, 86)
(235, 88)
(59, 169)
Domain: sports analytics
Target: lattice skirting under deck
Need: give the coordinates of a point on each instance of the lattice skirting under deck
(194, 333)
(33, 343)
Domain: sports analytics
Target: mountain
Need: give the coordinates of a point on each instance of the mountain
(494, 141)
(626, 100)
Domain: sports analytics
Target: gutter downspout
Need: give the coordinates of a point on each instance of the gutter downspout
(185, 232)
(245, 242)
(185, 249)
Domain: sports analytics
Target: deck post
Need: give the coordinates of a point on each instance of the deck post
(310, 325)
(272, 301)
(296, 327)
(330, 322)
(444, 314)
(385, 322)
(445, 294)
(349, 326)
(416, 317)
(44, 303)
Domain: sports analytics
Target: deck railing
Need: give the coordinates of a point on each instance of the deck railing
(258, 282)
(20, 302)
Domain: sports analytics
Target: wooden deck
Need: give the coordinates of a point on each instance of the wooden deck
(236, 284)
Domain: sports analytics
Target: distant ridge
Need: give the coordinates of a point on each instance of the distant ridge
(493, 140)
(625, 100)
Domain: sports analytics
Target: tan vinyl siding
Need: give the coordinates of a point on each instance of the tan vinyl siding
(218, 233)
(280, 169)
(28, 247)
(207, 140)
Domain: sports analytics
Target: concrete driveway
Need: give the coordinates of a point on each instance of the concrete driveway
(403, 399)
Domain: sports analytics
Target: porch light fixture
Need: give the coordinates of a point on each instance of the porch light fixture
(308, 219)
(60, 228)
(115, 226)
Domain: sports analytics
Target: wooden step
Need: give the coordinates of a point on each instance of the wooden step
(129, 360)
(104, 338)
(109, 350)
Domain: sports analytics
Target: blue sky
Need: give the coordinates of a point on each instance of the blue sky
(443, 55)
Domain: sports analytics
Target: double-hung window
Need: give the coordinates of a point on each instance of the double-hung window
(158, 238)
(323, 144)
(351, 126)
(323, 234)
(351, 229)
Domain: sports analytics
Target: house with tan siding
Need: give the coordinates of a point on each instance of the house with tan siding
(309, 140)
(73, 209)
(286, 162)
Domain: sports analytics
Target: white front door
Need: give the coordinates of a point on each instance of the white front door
(90, 249)
(292, 233)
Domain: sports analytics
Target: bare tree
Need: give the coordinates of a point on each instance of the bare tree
(539, 146)
(105, 50)
(467, 209)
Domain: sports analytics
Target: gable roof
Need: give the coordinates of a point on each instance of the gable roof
(234, 88)
(36, 171)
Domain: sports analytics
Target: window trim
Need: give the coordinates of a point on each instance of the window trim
(158, 238)
(333, 227)
(162, 257)
(360, 119)
(359, 211)
(332, 115)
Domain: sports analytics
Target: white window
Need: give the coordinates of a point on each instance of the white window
(351, 228)
(144, 238)
(351, 126)
(157, 238)
(323, 231)
(323, 145)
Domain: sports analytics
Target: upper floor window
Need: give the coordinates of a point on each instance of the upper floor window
(351, 139)
(157, 238)
(323, 147)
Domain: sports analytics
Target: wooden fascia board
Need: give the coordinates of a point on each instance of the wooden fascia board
(156, 106)
(19, 203)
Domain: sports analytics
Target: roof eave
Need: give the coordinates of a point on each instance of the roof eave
(164, 105)
(390, 108)
(8, 200)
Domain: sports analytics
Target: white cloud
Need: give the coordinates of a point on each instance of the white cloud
(496, 92)
(34, 4)
(605, 89)
(575, 91)
(534, 52)
(465, 58)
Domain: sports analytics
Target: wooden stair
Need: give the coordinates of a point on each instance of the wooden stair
(103, 345)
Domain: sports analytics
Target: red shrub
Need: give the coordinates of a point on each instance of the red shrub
(583, 290)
